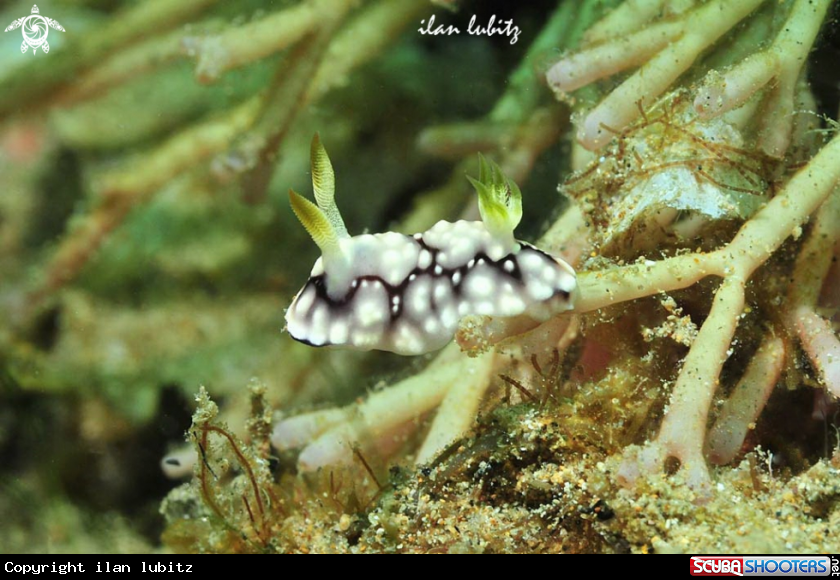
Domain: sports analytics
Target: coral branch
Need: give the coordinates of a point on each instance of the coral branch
(794, 43)
(786, 212)
(606, 60)
(683, 428)
(374, 418)
(126, 188)
(601, 288)
(360, 40)
(299, 430)
(35, 85)
(239, 46)
(783, 61)
(818, 338)
(458, 140)
(742, 408)
(457, 411)
(700, 29)
(822, 345)
(630, 16)
(723, 92)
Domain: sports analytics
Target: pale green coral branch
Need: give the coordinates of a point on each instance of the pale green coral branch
(783, 61)
(218, 53)
(755, 242)
(742, 408)
(683, 428)
(375, 418)
(621, 107)
(699, 29)
(632, 15)
(815, 333)
(368, 33)
(457, 410)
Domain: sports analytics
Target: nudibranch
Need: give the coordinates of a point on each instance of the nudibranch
(407, 294)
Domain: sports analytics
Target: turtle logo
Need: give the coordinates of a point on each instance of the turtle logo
(35, 30)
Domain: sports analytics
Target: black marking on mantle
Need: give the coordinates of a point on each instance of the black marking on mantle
(398, 291)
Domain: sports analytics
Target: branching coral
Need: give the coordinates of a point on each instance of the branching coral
(780, 68)
(667, 49)
(240, 142)
(690, 185)
(133, 268)
(683, 430)
(330, 435)
(659, 150)
(701, 213)
(818, 338)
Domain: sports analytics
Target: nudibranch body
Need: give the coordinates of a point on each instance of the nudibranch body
(407, 294)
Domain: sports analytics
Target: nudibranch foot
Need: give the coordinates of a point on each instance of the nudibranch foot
(407, 294)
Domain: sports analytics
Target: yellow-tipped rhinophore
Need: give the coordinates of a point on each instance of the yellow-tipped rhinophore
(499, 199)
(323, 183)
(316, 222)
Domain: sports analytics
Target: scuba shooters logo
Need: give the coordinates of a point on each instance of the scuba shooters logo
(717, 566)
(764, 566)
